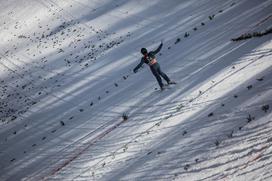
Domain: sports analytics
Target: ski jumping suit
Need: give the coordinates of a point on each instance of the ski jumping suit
(150, 59)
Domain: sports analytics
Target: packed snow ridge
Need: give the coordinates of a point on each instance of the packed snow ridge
(73, 109)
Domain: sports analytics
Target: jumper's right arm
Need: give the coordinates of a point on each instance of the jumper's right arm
(138, 66)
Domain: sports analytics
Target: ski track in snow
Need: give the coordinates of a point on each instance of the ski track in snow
(66, 80)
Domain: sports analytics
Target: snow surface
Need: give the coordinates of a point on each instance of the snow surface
(66, 82)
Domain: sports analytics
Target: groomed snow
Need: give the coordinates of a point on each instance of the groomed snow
(67, 82)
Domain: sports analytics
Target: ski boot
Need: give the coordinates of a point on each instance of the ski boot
(171, 82)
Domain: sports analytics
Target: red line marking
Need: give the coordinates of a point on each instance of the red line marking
(89, 144)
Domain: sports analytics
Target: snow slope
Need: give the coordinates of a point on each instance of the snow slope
(66, 82)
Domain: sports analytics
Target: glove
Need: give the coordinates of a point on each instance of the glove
(162, 41)
(135, 71)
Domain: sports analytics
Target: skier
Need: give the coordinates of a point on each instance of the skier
(150, 59)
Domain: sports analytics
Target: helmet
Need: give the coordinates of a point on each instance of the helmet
(143, 50)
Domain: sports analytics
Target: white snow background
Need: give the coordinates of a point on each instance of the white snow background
(72, 109)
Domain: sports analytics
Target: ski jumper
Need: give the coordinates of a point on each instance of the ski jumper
(150, 59)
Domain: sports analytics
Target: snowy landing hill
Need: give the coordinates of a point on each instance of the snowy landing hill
(72, 109)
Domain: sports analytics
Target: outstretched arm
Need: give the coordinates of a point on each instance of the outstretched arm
(138, 66)
(158, 49)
